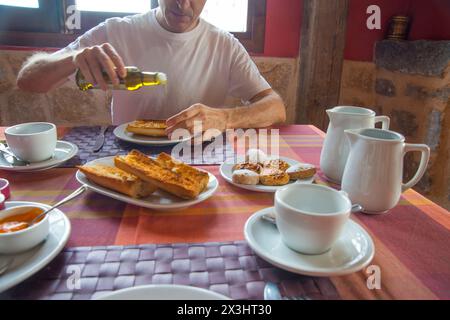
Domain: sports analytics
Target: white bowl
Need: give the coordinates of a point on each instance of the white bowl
(26, 239)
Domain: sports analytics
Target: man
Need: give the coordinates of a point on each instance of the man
(203, 64)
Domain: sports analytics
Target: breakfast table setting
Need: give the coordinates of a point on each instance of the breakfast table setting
(347, 232)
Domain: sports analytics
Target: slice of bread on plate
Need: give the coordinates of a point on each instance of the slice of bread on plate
(165, 173)
(153, 128)
(118, 180)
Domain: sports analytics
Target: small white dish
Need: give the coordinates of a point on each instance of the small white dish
(121, 133)
(26, 239)
(25, 264)
(64, 151)
(226, 170)
(353, 251)
(161, 292)
(159, 200)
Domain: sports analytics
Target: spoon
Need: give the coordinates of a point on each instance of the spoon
(15, 160)
(71, 196)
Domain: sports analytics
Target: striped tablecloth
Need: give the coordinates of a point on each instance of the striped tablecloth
(411, 241)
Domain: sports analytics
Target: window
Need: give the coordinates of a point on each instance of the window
(20, 3)
(41, 23)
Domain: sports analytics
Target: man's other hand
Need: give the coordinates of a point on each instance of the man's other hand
(211, 118)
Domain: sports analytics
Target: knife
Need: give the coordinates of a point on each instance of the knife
(100, 141)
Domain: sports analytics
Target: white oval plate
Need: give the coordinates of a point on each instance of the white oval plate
(352, 252)
(25, 264)
(162, 292)
(64, 151)
(121, 133)
(160, 200)
(227, 174)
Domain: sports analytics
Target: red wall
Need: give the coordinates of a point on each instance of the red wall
(430, 20)
(283, 23)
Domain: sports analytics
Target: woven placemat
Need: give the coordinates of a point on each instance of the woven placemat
(228, 268)
(84, 138)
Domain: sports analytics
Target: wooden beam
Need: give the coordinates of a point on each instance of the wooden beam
(321, 55)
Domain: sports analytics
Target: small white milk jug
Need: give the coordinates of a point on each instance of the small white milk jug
(336, 147)
(374, 171)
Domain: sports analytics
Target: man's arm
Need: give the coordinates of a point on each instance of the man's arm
(266, 109)
(44, 72)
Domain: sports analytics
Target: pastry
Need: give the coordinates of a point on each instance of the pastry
(273, 177)
(256, 167)
(276, 164)
(301, 171)
(244, 176)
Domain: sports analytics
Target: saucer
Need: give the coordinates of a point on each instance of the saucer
(352, 252)
(63, 152)
(25, 264)
(162, 292)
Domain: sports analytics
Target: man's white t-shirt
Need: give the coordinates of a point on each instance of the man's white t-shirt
(204, 65)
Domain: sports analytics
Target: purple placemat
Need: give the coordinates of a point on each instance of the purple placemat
(228, 268)
(84, 138)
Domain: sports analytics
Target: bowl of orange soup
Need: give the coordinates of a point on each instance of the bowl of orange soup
(16, 235)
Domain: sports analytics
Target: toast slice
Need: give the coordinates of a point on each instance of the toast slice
(153, 128)
(167, 174)
(118, 180)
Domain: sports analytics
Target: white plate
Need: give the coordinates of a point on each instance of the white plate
(121, 133)
(227, 173)
(24, 265)
(63, 152)
(159, 200)
(162, 292)
(352, 252)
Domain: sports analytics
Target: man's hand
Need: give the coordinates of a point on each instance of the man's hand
(92, 61)
(211, 118)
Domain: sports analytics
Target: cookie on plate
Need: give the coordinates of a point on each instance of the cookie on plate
(273, 177)
(276, 164)
(244, 176)
(255, 167)
(301, 171)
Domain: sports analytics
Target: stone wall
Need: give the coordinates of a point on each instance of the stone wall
(410, 83)
(68, 106)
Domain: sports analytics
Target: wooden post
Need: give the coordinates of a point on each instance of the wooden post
(321, 55)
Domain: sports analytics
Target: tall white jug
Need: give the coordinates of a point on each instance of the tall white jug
(374, 171)
(336, 147)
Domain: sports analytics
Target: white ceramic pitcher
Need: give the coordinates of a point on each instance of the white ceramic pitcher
(374, 171)
(336, 147)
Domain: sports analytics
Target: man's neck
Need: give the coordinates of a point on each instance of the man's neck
(162, 22)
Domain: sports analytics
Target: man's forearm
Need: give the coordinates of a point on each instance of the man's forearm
(43, 72)
(265, 112)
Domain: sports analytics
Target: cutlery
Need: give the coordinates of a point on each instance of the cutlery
(272, 292)
(10, 157)
(100, 141)
(270, 217)
(71, 196)
(5, 266)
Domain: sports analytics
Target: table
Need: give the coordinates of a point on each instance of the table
(411, 241)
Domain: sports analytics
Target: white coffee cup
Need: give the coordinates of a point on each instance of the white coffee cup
(32, 142)
(311, 217)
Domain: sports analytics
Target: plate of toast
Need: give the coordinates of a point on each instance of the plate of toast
(160, 183)
(146, 132)
(258, 172)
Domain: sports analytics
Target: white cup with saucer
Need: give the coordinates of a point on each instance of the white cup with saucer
(32, 142)
(310, 218)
